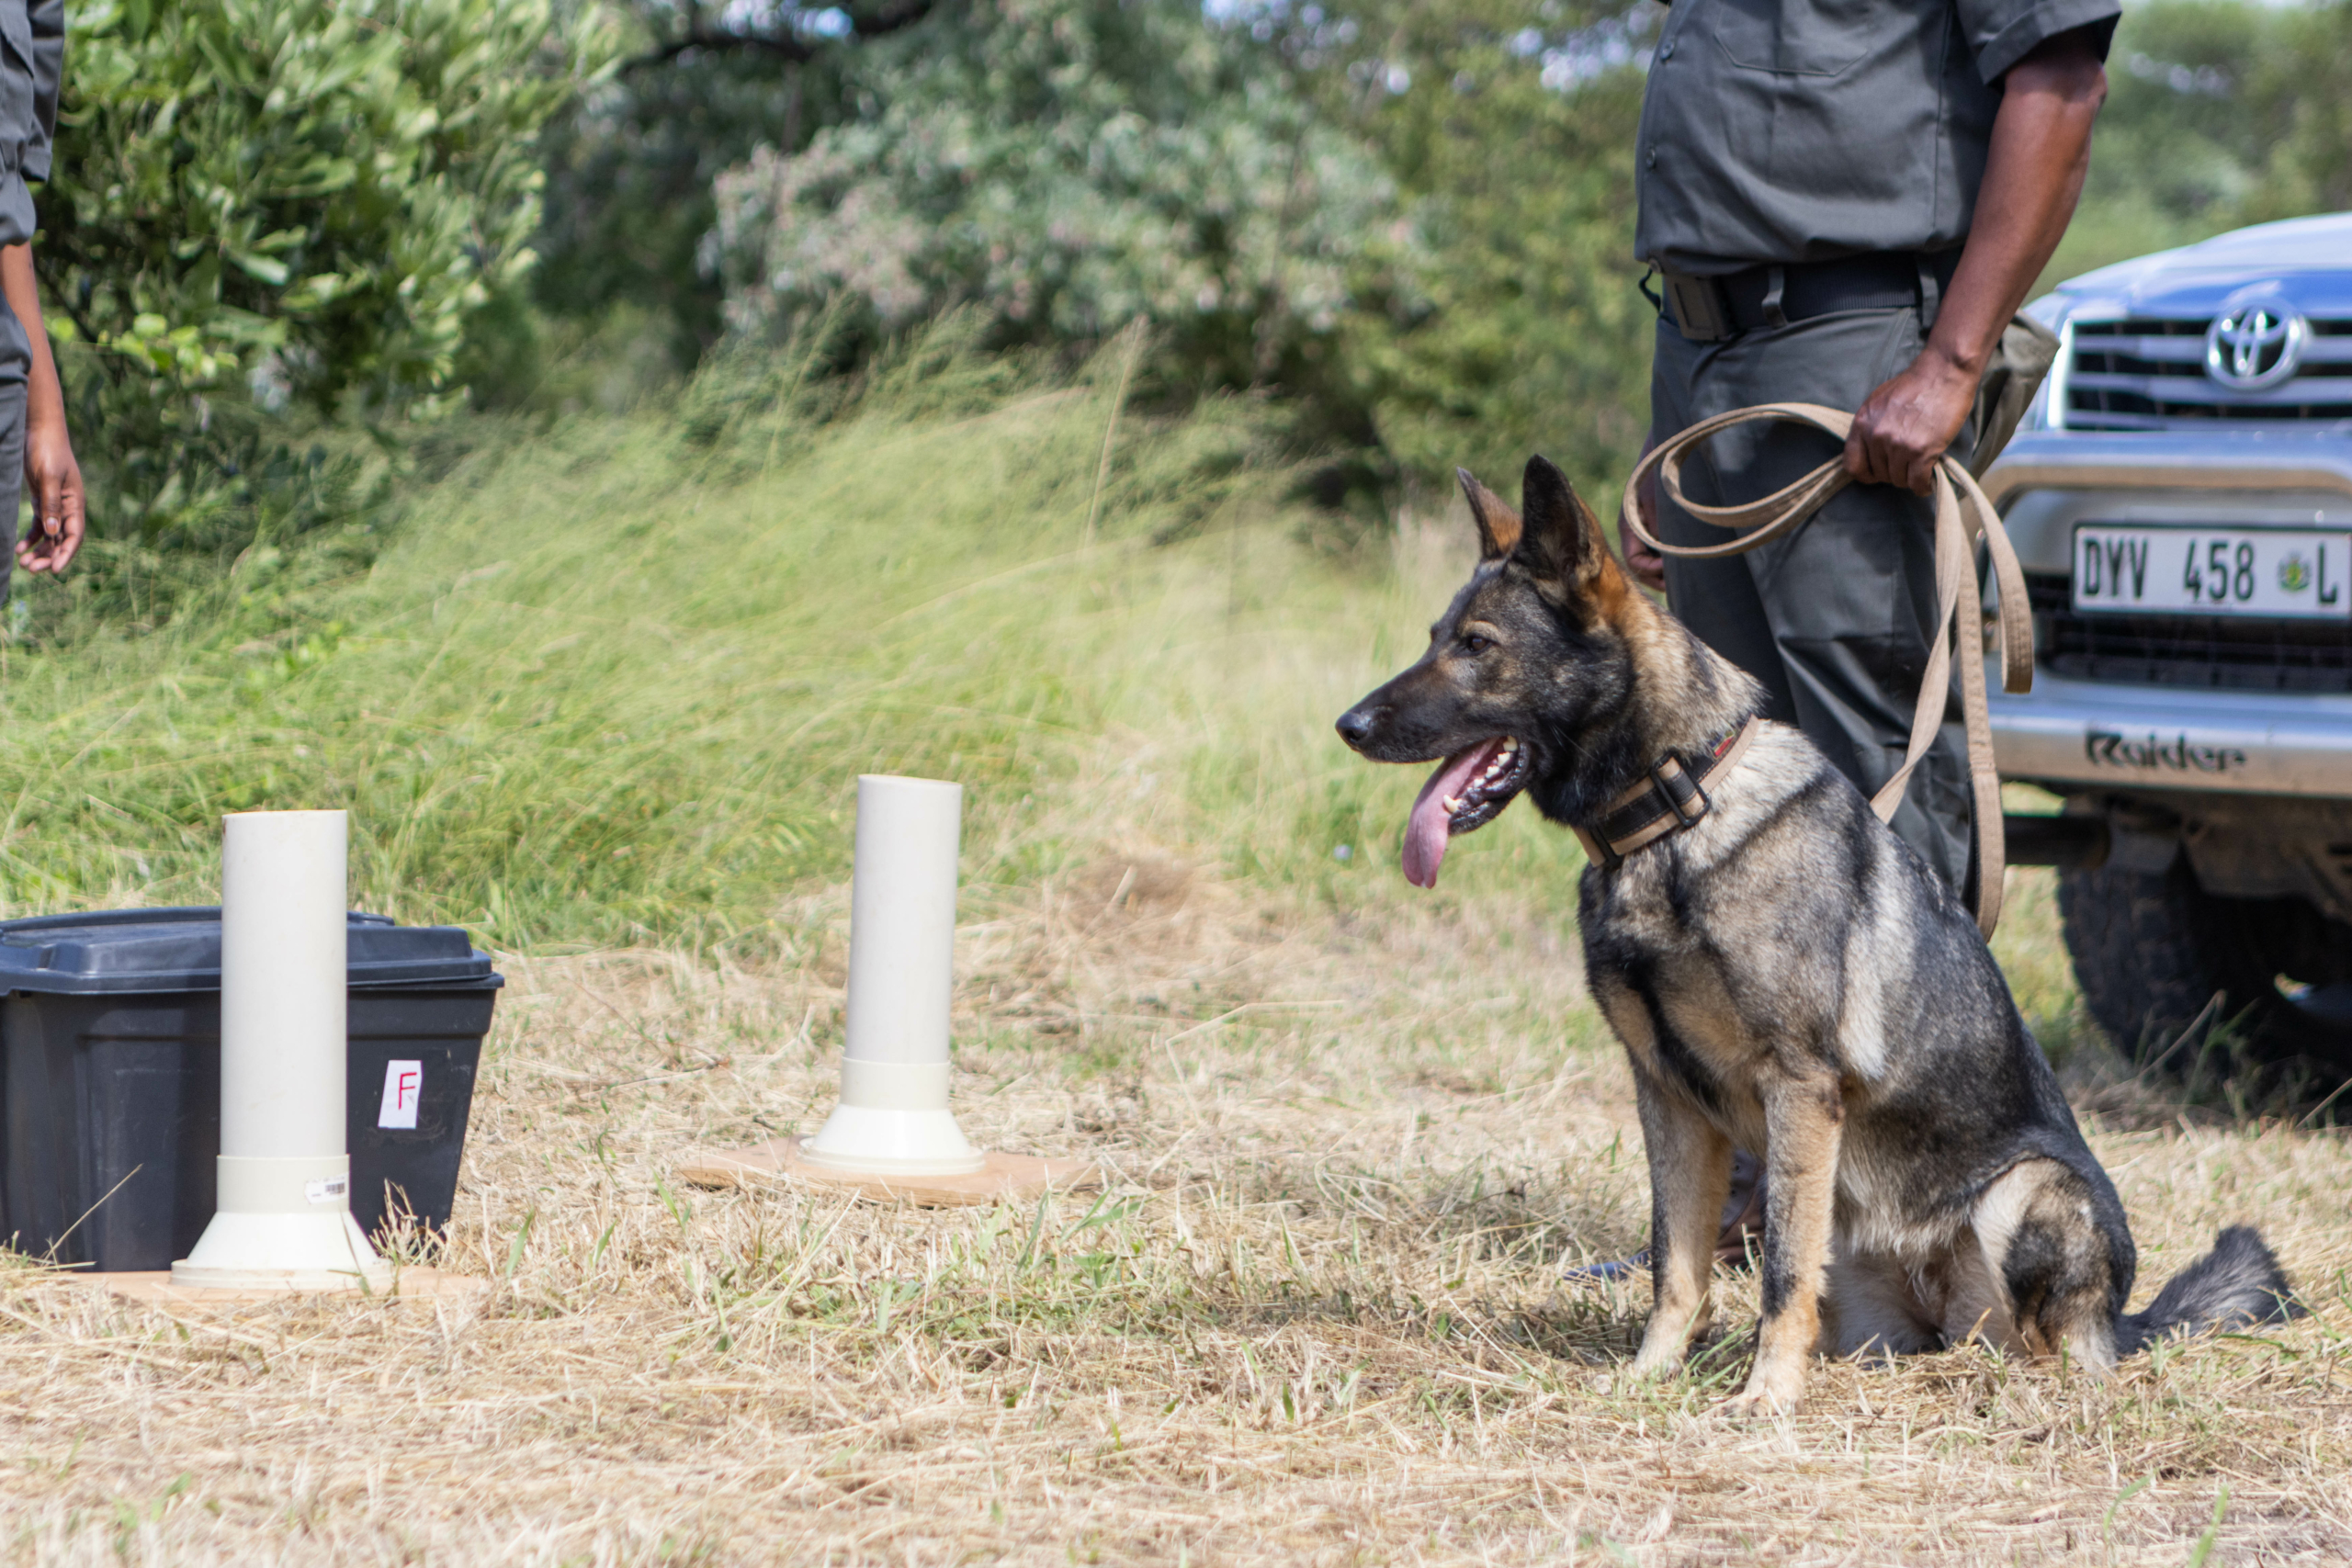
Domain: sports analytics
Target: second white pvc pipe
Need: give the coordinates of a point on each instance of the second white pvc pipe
(893, 1117)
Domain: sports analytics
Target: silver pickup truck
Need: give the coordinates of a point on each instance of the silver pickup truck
(2181, 496)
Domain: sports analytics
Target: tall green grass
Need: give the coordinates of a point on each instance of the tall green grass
(613, 680)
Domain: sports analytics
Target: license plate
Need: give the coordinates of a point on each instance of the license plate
(2278, 572)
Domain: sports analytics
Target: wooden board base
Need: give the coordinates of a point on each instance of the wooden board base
(1015, 1177)
(157, 1289)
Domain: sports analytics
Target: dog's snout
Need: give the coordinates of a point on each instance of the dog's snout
(1355, 725)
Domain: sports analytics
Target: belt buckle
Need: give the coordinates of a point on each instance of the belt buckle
(1699, 311)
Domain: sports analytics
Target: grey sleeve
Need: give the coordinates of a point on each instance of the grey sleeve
(48, 69)
(2002, 32)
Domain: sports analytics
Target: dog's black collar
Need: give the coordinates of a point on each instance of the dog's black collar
(1668, 801)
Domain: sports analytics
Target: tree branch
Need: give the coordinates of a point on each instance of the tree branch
(865, 21)
(786, 48)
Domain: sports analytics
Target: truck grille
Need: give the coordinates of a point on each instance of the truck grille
(2203, 652)
(2148, 373)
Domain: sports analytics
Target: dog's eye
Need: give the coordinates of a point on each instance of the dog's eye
(1475, 645)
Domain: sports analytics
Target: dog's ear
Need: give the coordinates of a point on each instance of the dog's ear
(1561, 543)
(1498, 526)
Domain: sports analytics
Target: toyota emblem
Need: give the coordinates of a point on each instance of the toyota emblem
(2254, 343)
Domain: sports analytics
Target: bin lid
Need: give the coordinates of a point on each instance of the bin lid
(179, 950)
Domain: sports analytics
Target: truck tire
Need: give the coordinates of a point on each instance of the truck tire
(2150, 951)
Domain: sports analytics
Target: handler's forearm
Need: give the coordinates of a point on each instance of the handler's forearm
(44, 399)
(2033, 176)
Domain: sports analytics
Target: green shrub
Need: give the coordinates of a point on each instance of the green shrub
(1412, 224)
(1509, 126)
(271, 218)
(1068, 166)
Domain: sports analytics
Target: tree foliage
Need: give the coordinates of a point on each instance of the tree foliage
(2237, 111)
(1068, 166)
(2219, 114)
(1510, 126)
(281, 205)
(1303, 203)
(632, 162)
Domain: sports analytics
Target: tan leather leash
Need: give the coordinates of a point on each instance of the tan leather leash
(1963, 515)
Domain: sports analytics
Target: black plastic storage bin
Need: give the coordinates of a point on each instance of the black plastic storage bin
(110, 1077)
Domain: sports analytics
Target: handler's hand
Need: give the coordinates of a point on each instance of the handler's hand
(1902, 428)
(1647, 567)
(54, 480)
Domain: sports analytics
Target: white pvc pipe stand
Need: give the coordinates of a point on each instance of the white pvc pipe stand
(284, 1218)
(893, 1118)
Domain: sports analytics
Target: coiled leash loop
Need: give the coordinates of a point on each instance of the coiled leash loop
(1963, 515)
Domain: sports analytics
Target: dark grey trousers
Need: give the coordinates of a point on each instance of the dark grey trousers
(1836, 618)
(12, 474)
(15, 371)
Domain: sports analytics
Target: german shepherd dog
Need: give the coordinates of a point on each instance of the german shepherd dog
(1786, 976)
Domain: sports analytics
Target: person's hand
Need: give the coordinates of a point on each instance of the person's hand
(54, 480)
(1646, 566)
(1904, 426)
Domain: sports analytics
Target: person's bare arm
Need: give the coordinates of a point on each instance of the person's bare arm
(51, 475)
(2033, 175)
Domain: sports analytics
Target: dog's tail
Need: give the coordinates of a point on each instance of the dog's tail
(2236, 1284)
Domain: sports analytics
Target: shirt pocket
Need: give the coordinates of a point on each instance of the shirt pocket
(1795, 38)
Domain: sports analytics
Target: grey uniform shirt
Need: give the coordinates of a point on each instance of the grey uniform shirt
(1797, 130)
(32, 56)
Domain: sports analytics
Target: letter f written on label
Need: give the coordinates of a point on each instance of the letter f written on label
(404, 1088)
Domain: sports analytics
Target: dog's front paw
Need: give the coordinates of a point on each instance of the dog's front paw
(1768, 1393)
(1657, 1361)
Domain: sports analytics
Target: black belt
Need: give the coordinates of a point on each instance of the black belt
(1707, 309)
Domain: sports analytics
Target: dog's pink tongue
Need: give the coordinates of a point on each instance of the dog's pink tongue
(1429, 826)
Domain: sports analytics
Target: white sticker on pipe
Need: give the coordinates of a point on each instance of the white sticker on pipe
(403, 1086)
(333, 1190)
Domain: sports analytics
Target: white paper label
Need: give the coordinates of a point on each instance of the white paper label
(403, 1085)
(333, 1190)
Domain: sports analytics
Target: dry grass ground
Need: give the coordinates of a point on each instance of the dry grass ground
(1314, 1318)
(1353, 1129)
